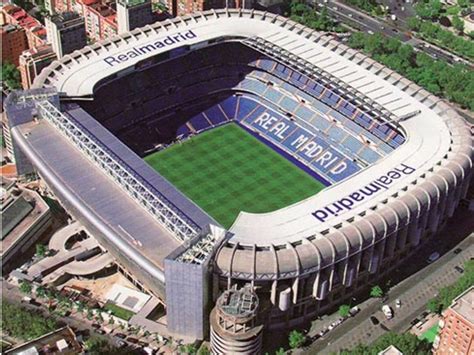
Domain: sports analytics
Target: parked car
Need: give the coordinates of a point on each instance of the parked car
(121, 344)
(100, 331)
(398, 303)
(353, 311)
(459, 269)
(374, 320)
(414, 321)
(457, 251)
(387, 311)
(120, 336)
(322, 332)
(95, 325)
(433, 257)
(132, 340)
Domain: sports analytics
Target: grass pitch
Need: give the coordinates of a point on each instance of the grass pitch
(226, 170)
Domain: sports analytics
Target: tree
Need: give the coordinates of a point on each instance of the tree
(407, 343)
(413, 23)
(25, 287)
(458, 24)
(280, 351)
(24, 324)
(344, 310)
(433, 306)
(40, 292)
(188, 349)
(96, 345)
(204, 350)
(11, 76)
(296, 339)
(376, 291)
(41, 250)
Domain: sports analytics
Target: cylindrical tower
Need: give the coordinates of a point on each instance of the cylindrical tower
(234, 325)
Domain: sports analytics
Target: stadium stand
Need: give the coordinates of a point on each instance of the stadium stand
(242, 87)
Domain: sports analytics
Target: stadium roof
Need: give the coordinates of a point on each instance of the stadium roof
(429, 133)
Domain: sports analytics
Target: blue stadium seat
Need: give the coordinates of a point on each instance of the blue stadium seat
(337, 134)
(229, 106)
(399, 139)
(369, 155)
(288, 104)
(183, 130)
(272, 95)
(320, 122)
(215, 115)
(199, 122)
(353, 144)
(244, 107)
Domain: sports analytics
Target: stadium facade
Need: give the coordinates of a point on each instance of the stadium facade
(396, 160)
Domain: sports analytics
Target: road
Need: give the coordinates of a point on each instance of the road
(359, 20)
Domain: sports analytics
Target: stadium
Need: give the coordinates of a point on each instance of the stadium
(233, 148)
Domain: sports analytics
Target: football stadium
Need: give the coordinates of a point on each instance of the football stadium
(238, 150)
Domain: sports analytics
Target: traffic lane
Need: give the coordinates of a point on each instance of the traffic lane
(367, 23)
(364, 21)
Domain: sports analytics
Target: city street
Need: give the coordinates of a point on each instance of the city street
(361, 21)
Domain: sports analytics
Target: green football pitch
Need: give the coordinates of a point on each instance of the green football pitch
(226, 170)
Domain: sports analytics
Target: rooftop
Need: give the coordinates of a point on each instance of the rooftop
(21, 208)
(10, 28)
(60, 341)
(240, 303)
(464, 305)
(391, 350)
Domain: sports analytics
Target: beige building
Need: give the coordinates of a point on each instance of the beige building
(32, 61)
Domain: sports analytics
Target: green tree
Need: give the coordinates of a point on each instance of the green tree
(24, 324)
(428, 9)
(413, 23)
(189, 349)
(344, 310)
(407, 343)
(280, 351)
(296, 339)
(25, 287)
(376, 291)
(11, 76)
(458, 24)
(41, 292)
(433, 306)
(41, 250)
(204, 350)
(97, 345)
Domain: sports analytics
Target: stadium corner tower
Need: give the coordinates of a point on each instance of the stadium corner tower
(394, 162)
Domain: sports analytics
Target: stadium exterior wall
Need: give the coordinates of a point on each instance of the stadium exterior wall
(95, 227)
